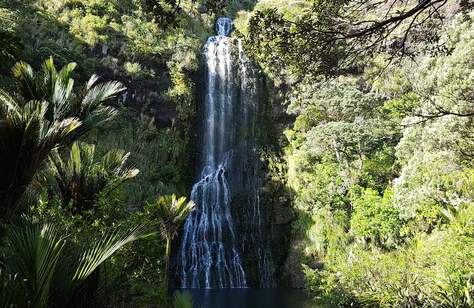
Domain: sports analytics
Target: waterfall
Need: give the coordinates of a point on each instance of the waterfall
(211, 249)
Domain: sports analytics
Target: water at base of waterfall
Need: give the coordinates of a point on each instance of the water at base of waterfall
(210, 255)
(250, 298)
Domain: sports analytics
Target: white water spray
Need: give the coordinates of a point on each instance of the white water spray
(210, 254)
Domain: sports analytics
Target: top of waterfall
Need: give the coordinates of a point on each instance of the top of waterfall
(224, 26)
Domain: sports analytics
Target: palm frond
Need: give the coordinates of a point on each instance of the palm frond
(44, 115)
(115, 163)
(34, 252)
(41, 269)
(171, 213)
(66, 71)
(26, 139)
(94, 78)
(8, 104)
(82, 177)
(97, 117)
(24, 74)
(56, 88)
(102, 249)
(98, 94)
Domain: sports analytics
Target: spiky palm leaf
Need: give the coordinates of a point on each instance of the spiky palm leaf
(82, 178)
(170, 212)
(91, 111)
(44, 115)
(56, 88)
(26, 138)
(37, 252)
(105, 247)
(34, 253)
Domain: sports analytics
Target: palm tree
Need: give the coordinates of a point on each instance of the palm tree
(82, 178)
(26, 139)
(43, 116)
(42, 269)
(170, 213)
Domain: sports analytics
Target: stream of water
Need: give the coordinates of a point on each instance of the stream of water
(227, 221)
(224, 258)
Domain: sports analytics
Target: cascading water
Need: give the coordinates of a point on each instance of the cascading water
(212, 244)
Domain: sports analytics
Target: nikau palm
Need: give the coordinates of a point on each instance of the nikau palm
(42, 269)
(26, 138)
(43, 116)
(171, 213)
(82, 178)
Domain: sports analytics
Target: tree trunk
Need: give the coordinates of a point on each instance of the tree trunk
(167, 261)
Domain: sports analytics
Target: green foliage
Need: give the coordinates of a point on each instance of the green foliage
(312, 38)
(42, 269)
(183, 60)
(137, 269)
(56, 88)
(136, 71)
(327, 235)
(170, 214)
(44, 115)
(277, 38)
(35, 254)
(10, 43)
(26, 139)
(325, 288)
(102, 249)
(233, 7)
(152, 42)
(423, 272)
(82, 178)
(160, 155)
(380, 158)
(89, 28)
(146, 44)
(375, 218)
(10, 46)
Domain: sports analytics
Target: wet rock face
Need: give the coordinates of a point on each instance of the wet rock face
(224, 243)
(148, 96)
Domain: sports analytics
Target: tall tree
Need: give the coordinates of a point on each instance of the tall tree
(333, 37)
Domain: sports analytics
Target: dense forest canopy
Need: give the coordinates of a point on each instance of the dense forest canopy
(367, 173)
(379, 153)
